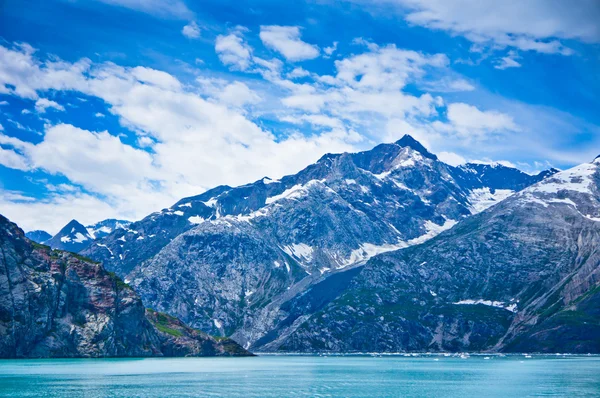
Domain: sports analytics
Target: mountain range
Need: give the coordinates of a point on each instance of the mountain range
(389, 250)
(74, 237)
(233, 260)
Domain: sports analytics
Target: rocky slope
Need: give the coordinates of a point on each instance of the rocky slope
(226, 261)
(523, 275)
(58, 304)
(103, 228)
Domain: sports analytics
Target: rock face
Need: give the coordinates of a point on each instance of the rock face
(523, 276)
(38, 236)
(58, 304)
(227, 261)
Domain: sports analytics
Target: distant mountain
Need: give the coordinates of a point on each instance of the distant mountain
(73, 237)
(228, 260)
(523, 276)
(59, 304)
(105, 227)
(38, 236)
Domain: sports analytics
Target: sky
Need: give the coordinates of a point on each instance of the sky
(118, 108)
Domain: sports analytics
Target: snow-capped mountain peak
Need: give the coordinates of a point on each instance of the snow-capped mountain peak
(72, 237)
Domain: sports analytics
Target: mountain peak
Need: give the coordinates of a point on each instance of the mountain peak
(408, 141)
(597, 159)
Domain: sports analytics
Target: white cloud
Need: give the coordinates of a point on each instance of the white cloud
(160, 8)
(286, 40)
(43, 103)
(331, 49)
(13, 160)
(509, 61)
(196, 143)
(536, 25)
(448, 85)
(99, 114)
(469, 120)
(298, 72)
(233, 51)
(191, 30)
(451, 158)
(238, 94)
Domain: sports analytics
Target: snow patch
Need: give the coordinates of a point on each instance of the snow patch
(196, 219)
(299, 250)
(106, 247)
(490, 303)
(483, 198)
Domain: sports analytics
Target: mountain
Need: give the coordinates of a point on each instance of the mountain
(38, 236)
(522, 276)
(227, 261)
(73, 237)
(105, 227)
(58, 304)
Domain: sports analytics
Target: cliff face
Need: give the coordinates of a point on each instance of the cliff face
(57, 304)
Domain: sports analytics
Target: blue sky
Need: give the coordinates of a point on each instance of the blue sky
(117, 108)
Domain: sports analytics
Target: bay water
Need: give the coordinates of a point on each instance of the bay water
(305, 376)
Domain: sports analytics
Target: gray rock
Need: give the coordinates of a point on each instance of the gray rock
(59, 304)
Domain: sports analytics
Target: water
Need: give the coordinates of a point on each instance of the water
(291, 376)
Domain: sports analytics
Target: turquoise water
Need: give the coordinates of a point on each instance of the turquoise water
(291, 376)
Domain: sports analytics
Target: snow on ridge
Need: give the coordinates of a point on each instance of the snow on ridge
(267, 180)
(482, 198)
(295, 192)
(578, 179)
(211, 202)
(490, 303)
(367, 250)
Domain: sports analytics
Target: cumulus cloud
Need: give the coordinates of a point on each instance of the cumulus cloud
(195, 142)
(286, 40)
(191, 30)
(233, 50)
(43, 103)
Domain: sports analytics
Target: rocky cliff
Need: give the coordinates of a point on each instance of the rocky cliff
(58, 304)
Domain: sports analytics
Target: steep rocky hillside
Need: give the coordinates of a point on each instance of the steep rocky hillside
(58, 304)
(522, 276)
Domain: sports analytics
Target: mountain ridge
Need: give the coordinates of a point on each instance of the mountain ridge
(332, 215)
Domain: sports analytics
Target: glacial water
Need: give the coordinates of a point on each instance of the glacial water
(302, 376)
